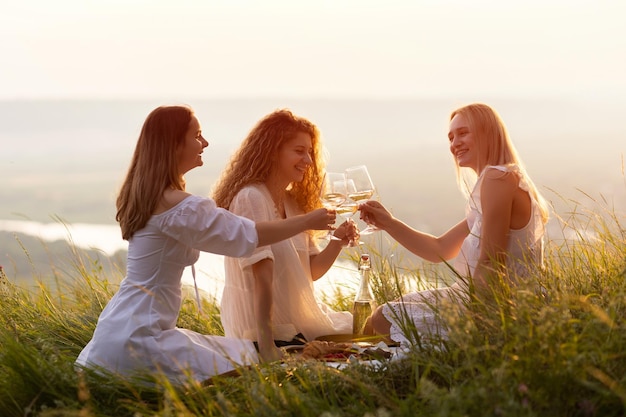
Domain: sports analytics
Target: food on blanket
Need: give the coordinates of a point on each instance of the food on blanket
(318, 349)
(377, 353)
(334, 351)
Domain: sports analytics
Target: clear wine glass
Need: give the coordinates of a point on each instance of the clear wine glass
(333, 193)
(364, 190)
(349, 207)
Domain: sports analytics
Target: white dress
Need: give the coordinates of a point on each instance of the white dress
(525, 249)
(137, 329)
(295, 308)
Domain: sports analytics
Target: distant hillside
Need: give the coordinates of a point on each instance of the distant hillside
(26, 259)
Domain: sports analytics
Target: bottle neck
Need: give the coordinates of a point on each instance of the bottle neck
(364, 293)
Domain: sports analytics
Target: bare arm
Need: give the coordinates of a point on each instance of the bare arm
(263, 300)
(323, 261)
(274, 231)
(496, 198)
(424, 245)
(427, 246)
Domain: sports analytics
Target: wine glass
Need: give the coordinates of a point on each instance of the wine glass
(349, 207)
(364, 189)
(333, 193)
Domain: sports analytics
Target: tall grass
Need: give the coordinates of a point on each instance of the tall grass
(560, 351)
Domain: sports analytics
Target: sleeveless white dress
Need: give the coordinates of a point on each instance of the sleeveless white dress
(137, 329)
(525, 250)
(295, 308)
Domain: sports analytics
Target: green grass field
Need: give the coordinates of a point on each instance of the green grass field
(556, 352)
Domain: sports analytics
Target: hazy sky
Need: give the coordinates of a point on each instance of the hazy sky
(322, 48)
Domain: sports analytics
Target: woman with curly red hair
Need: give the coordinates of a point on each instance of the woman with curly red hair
(268, 297)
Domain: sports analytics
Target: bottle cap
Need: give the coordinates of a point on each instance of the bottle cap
(365, 261)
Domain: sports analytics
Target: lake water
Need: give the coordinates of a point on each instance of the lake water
(61, 162)
(209, 267)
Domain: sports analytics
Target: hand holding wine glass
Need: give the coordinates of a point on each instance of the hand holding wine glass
(375, 213)
(364, 189)
(347, 210)
(333, 193)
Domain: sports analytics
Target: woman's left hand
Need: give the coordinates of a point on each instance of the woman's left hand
(347, 231)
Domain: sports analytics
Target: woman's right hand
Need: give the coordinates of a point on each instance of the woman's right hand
(374, 213)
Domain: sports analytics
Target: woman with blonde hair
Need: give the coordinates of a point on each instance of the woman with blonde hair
(268, 296)
(502, 231)
(166, 228)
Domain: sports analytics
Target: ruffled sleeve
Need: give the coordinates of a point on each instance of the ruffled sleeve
(515, 169)
(253, 204)
(523, 183)
(200, 224)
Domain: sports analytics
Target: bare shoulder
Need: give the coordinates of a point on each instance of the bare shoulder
(493, 173)
(170, 199)
(498, 184)
(496, 178)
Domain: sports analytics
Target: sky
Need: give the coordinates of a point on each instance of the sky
(324, 48)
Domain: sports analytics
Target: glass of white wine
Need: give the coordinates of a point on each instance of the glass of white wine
(349, 207)
(333, 193)
(364, 189)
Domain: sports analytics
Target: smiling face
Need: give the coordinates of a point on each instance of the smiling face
(462, 143)
(294, 158)
(190, 153)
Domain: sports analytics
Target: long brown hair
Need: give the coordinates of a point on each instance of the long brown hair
(153, 168)
(493, 146)
(254, 160)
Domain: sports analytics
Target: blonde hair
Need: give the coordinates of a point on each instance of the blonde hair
(494, 147)
(153, 168)
(255, 158)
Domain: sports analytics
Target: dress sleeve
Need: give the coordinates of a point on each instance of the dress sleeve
(200, 224)
(515, 169)
(251, 203)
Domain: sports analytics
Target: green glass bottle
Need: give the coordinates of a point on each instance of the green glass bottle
(364, 301)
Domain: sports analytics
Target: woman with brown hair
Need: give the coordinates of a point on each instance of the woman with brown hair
(268, 296)
(166, 228)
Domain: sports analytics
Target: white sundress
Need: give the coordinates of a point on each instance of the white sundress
(137, 329)
(295, 308)
(525, 248)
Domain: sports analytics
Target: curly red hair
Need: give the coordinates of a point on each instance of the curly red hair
(253, 161)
